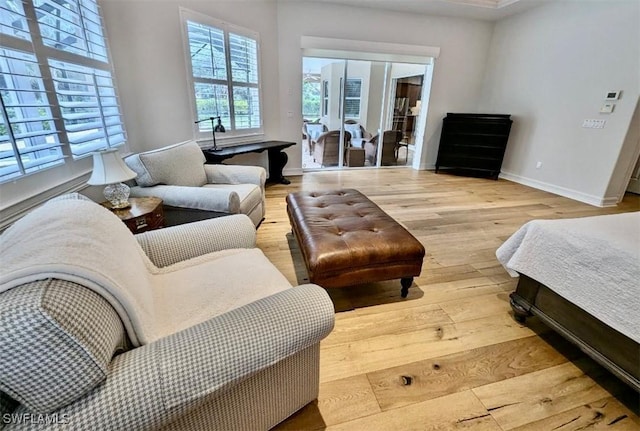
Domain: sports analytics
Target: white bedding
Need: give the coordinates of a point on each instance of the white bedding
(593, 262)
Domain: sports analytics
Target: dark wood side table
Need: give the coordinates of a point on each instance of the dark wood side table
(144, 214)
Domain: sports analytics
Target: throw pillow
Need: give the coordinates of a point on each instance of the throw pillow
(177, 165)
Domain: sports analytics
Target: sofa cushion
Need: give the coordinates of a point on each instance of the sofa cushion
(179, 165)
(57, 340)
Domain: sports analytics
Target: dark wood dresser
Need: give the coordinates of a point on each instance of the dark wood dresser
(473, 143)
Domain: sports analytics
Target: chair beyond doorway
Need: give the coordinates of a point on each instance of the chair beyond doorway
(390, 146)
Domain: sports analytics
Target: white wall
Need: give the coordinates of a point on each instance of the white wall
(550, 68)
(375, 92)
(458, 72)
(333, 73)
(148, 52)
(147, 49)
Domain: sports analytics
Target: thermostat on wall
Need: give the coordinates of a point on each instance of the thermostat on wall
(612, 95)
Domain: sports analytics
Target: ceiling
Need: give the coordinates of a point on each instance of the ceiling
(490, 10)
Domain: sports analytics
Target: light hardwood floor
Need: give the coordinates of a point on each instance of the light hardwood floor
(450, 355)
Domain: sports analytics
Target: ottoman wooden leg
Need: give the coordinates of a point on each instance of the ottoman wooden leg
(406, 284)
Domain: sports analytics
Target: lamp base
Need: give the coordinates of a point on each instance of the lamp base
(118, 195)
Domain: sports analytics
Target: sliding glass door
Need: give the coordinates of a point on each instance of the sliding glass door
(358, 113)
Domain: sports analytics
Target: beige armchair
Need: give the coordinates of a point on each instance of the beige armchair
(390, 144)
(327, 147)
(192, 190)
(180, 336)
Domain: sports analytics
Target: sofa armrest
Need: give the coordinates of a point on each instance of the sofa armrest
(200, 198)
(177, 243)
(150, 386)
(236, 174)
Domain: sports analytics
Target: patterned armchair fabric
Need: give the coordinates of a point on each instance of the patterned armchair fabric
(192, 190)
(66, 363)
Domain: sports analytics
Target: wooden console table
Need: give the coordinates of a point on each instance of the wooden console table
(277, 158)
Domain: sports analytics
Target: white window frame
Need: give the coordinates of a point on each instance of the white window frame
(69, 163)
(231, 135)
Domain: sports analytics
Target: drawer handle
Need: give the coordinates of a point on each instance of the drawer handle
(141, 223)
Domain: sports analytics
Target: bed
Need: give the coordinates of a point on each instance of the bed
(581, 277)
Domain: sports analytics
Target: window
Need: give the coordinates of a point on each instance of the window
(224, 78)
(352, 93)
(59, 100)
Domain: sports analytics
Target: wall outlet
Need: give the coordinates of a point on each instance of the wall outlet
(594, 124)
(538, 165)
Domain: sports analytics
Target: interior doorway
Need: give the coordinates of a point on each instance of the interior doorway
(360, 113)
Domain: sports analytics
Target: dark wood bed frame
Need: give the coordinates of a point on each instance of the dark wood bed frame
(611, 349)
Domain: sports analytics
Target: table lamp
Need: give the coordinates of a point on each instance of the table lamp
(109, 169)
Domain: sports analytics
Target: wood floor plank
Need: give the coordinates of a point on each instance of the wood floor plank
(534, 396)
(339, 401)
(358, 326)
(433, 378)
(605, 414)
(460, 411)
(460, 310)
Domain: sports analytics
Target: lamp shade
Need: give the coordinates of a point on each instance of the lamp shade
(108, 168)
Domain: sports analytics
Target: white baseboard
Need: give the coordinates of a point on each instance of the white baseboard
(561, 191)
(294, 172)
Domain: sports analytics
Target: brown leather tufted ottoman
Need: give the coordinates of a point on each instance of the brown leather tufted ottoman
(346, 239)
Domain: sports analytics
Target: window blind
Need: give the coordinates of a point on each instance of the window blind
(89, 107)
(56, 108)
(28, 137)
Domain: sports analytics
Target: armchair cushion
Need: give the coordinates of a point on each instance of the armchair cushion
(180, 164)
(207, 294)
(354, 129)
(314, 130)
(217, 199)
(57, 341)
